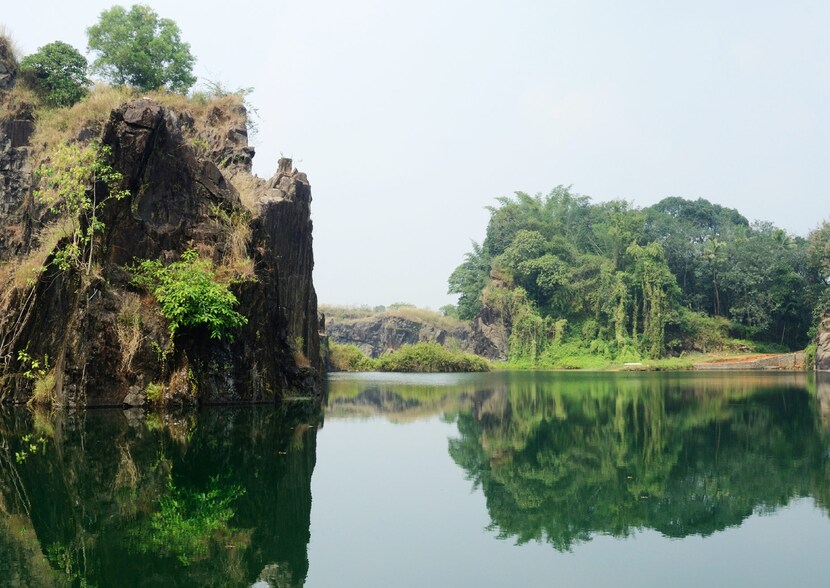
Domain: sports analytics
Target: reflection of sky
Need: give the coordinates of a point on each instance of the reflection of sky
(391, 508)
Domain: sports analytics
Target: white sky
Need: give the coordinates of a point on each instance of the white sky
(410, 117)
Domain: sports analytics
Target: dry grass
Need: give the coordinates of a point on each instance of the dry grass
(62, 125)
(250, 188)
(18, 102)
(25, 272)
(213, 118)
(8, 44)
(424, 316)
(43, 394)
(128, 329)
(238, 242)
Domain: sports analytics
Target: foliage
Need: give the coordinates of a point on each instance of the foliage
(190, 295)
(819, 250)
(154, 392)
(348, 358)
(76, 183)
(139, 49)
(187, 520)
(468, 279)
(429, 357)
(563, 461)
(57, 73)
(426, 357)
(30, 445)
(37, 370)
(643, 279)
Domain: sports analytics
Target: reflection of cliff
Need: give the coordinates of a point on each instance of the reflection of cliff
(421, 397)
(560, 463)
(97, 498)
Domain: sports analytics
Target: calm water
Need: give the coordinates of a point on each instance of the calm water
(499, 479)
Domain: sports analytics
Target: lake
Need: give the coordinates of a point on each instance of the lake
(501, 479)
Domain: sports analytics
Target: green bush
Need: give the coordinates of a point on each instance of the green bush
(430, 357)
(190, 295)
(57, 73)
(349, 358)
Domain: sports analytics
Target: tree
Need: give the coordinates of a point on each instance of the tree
(76, 184)
(469, 279)
(56, 72)
(139, 49)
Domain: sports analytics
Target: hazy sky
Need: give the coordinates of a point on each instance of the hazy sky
(410, 117)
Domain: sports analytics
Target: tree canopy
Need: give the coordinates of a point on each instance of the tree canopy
(633, 282)
(57, 73)
(139, 49)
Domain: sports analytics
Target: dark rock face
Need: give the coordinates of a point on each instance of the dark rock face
(490, 334)
(377, 335)
(823, 346)
(8, 67)
(100, 353)
(15, 184)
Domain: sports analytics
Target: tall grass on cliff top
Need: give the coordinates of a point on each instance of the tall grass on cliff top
(212, 115)
(427, 357)
(351, 314)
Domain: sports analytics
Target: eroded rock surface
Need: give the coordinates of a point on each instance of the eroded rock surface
(106, 341)
(380, 334)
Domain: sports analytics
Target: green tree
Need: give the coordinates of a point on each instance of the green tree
(139, 49)
(76, 183)
(468, 280)
(819, 249)
(56, 72)
(819, 264)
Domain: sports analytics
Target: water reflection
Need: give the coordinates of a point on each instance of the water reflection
(564, 457)
(108, 498)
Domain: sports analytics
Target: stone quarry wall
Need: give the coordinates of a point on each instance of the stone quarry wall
(179, 198)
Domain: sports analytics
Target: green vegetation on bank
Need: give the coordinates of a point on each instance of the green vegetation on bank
(577, 284)
(420, 358)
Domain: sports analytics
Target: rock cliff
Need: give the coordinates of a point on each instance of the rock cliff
(103, 341)
(380, 333)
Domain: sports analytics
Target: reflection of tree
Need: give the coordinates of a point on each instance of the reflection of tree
(219, 498)
(560, 462)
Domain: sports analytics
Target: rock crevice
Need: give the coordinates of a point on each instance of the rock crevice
(106, 341)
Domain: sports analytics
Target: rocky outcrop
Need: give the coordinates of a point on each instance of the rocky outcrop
(823, 346)
(8, 65)
(105, 340)
(380, 334)
(490, 334)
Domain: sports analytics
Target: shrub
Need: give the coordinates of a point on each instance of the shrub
(57, 73)
(430, 357)
(70, 185)
(190, 295)
(349, 358)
